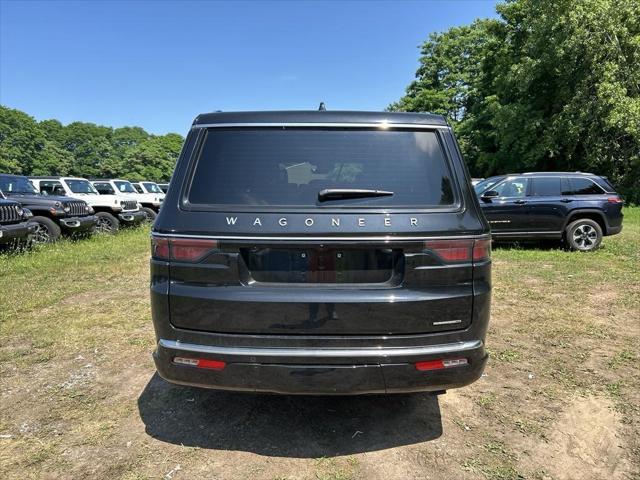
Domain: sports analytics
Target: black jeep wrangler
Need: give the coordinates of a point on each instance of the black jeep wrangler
(52, 215)
(321, 253)
(14, 226)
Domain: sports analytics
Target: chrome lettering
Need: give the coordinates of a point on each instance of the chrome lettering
(387, 222)
(232, 220)
(257, 221)
(361, 222)
(282, 222)
(335, 222)
(414, 222)
(308, 222)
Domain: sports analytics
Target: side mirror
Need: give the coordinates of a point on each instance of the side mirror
(489, 194)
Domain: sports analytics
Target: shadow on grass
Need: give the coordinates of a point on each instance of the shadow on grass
(286, 426)
(543, 245)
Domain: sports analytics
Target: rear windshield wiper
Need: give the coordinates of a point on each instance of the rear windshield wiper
(339, 193)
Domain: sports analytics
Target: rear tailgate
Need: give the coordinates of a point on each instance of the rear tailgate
(333, 288)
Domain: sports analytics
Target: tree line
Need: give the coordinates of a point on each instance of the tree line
(29, 147)
(548, 85)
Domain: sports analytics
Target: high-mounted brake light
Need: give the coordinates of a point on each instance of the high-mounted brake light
(181, 249)
(460, 250)
(200, 363)
(441, 364)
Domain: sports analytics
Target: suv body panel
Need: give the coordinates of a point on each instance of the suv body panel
(298, 331)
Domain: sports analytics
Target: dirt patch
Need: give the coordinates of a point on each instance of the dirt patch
(584, 443)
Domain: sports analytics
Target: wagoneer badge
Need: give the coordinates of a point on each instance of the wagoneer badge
(310, 221)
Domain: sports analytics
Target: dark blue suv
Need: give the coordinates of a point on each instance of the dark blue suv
(579, 208)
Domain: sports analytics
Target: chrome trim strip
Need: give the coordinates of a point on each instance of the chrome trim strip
(446, 322)
(389, 352)
(385, 238)
(382, 125)
(523, 233)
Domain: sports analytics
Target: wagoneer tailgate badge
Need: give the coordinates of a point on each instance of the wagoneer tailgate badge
(335, 222)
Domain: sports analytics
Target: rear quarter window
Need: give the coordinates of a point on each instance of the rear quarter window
(263, 167)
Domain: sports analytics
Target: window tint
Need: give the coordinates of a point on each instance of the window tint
(51, 188)
(286, 167)
(566, 186)
(514, 187)
(138, 188)
(16, 184)
(486, 184)
(80, 186)
(584, 186)
(545, 186)
(152, 187)
(125, 187)
(104, 188)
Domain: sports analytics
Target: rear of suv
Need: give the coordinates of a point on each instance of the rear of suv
(320, 253)
(579, 208)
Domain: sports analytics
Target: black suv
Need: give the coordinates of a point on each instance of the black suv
(578, 208)
(14, 228)
(52, 214)
(320, 253)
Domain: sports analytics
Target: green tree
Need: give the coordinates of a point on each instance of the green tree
(551, 85)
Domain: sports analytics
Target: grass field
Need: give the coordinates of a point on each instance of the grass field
(80, 398)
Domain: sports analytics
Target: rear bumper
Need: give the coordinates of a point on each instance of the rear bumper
(132, 218)
(322, 371)
(614, 230)
(79, 224)
(8, 233)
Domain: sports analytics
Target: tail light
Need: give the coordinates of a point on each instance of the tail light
(460, 250)
(615, 199)
(181, 249)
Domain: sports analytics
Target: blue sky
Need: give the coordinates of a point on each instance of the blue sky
(158, 64)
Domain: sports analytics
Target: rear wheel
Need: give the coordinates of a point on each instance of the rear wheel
(149, 213)
(46, 230)
(107, 223)
(584, 235)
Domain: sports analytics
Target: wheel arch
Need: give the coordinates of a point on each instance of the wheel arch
(590, 213)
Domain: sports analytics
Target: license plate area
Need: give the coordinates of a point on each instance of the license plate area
(323, 265)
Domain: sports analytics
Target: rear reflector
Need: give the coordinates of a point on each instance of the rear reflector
(481, 250)
(200, 363)
(181, 249)
(460, 250)
(441, 364)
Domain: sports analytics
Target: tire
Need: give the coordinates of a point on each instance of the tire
(584, 235)
(47, 231)
(107, 223)
(151, 214)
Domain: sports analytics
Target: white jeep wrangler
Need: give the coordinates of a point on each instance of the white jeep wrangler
(111, 209)
(150, 202)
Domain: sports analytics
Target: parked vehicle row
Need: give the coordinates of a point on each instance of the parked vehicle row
(40, 209)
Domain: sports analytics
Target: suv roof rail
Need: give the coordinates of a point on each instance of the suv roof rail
(577, 172)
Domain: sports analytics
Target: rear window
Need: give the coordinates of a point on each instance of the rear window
(584, 186)
(289, 167)
(545, 186)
